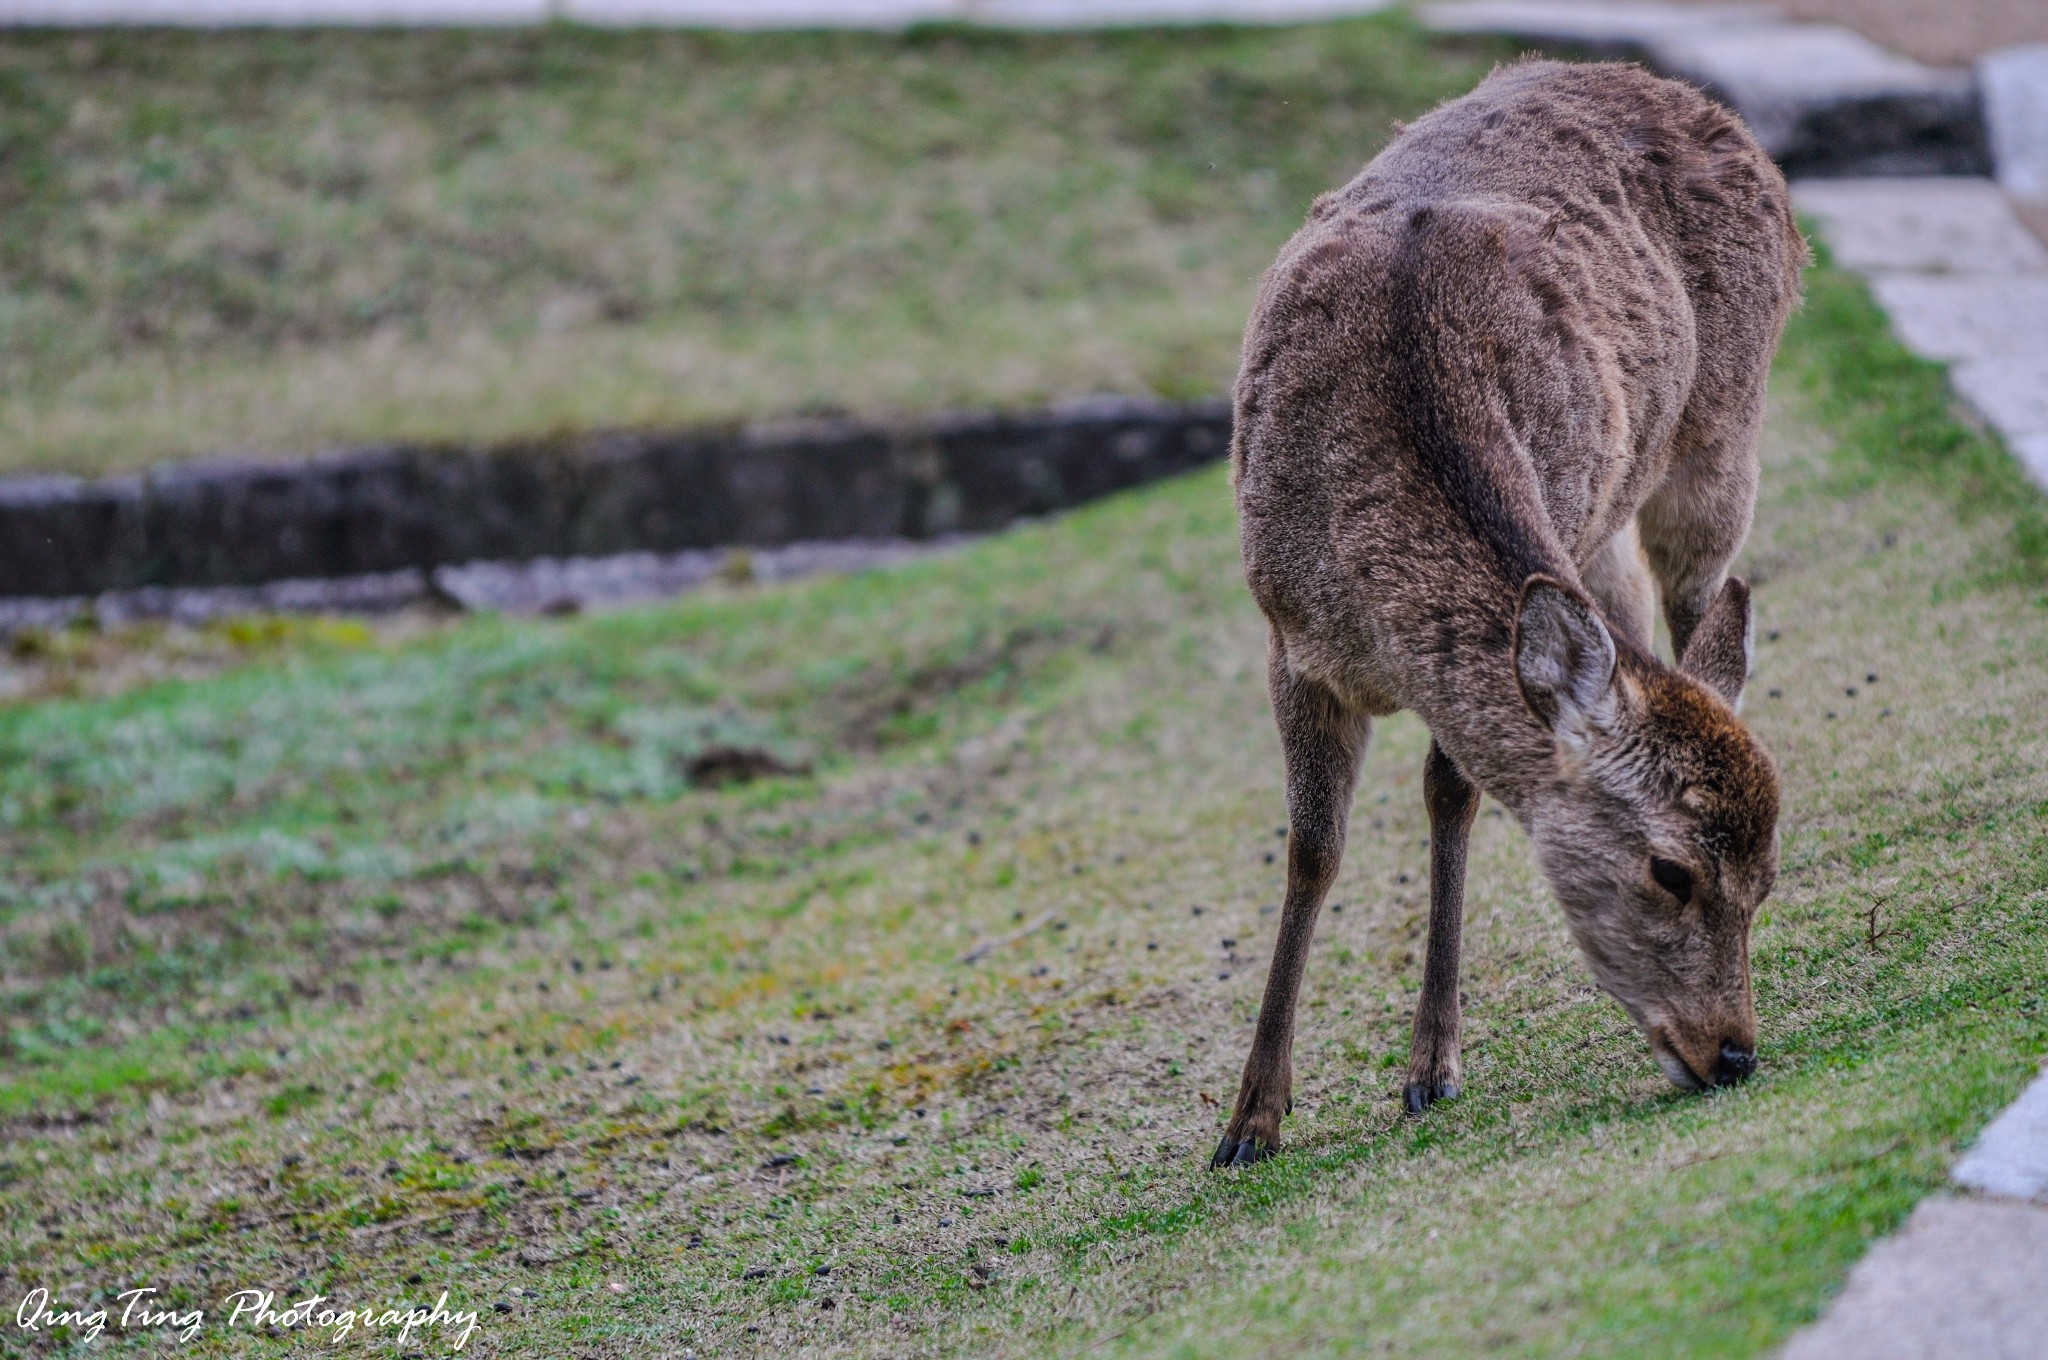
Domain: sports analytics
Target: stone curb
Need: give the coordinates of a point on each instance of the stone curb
(1821, 99)
(369, 511)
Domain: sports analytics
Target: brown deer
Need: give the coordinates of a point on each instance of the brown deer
(1499, 396)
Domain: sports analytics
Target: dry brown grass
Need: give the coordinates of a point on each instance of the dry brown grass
(286, 241)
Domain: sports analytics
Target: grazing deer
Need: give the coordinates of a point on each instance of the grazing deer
(1495, 388)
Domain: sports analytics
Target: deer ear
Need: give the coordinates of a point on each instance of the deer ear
(1564, 659)
(1722, 644)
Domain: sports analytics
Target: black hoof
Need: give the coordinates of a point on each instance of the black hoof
(1420, 1095)
(1238, 1152)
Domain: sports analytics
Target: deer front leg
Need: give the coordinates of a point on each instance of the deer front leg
(1433, 1068)
(1323, 742)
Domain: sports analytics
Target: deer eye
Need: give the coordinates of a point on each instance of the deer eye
(1673, 878)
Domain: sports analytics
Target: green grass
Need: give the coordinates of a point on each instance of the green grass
(374, 957)
(282, 241)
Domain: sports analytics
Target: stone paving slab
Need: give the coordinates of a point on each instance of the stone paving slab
(1796, 61)
(1962, 281)
(2015, 86)
(2032, 451)
(1928, 225)
(1967, 318)
(1823, 100)
(2011, 1156)
(2011, 393)
(1774, 73)
(1963, 1280)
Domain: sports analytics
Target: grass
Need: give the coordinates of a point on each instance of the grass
(281, 241)
(377, 965)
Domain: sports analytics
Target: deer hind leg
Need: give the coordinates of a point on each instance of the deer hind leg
(1323, 742)
(1434, 1071)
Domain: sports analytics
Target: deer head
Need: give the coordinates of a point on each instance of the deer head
(1658, 826)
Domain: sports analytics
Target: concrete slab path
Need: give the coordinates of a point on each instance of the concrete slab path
(1948, 226)
(1963, 281)
(1963, 1280)
(2010, 1158)
(1823, 99)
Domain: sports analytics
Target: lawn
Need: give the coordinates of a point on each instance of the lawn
(379, 964)
(279, 241)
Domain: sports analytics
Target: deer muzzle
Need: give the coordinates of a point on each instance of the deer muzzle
(1727, 1063)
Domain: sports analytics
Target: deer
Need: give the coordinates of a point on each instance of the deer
(1498, 401)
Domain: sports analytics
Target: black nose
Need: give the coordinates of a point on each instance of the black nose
(1735, 1065)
